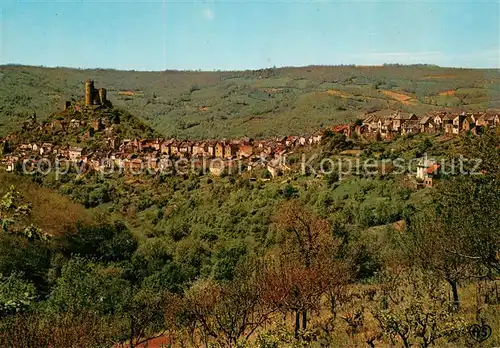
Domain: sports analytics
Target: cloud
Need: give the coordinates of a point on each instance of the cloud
(208, 14)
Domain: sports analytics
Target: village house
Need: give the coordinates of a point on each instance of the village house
(448, 123)
(137, 145)
(375, 119)
(198, 149)
(361, 129)
(165, 146)
(75, 124)
(46, 148)
(279, 151)
(210, 148)
(401, 118)
(280, 140)
(438, 120)
(185, 149)
(371, 123)
(75, 153)
(345, 129)
(428, 171)
(152, 160)
(269, 147)
(468, 124)
(231, 150)
(25, 149)
(245, 150)
(175, 148)
(426, 125)
(458, 123)
(291, 141)
(275, 167)
(493, 120)
(316, 138)
(488, 120)
(219, 149)
(410, 127)
(431, 174)
(385, 129)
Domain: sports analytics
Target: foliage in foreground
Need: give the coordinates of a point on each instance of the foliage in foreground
(311, 273)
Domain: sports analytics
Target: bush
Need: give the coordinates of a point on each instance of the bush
(107, 242)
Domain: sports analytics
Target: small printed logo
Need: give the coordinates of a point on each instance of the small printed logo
(480, 333)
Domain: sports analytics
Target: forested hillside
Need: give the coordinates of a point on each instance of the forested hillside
(259, 103)
(298, 258)
(301, 260)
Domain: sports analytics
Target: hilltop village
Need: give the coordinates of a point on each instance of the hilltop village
(135, 154)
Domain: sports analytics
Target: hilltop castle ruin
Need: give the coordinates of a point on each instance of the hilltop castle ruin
(94, 96)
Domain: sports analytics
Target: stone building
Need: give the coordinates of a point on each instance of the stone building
(94, 96)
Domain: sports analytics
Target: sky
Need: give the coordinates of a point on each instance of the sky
(243, 34)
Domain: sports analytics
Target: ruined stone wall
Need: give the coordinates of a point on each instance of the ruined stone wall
(89, 92)
(102, 96)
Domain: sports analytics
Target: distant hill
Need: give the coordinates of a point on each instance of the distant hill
(248, 103)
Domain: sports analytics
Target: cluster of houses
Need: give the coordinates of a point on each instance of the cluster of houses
(136, 154)
(388, 123)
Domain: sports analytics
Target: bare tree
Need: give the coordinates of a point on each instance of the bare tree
(305, 268)
(230, 311)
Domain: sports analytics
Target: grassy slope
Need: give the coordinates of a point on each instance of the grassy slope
(52, 212)
(253, 103)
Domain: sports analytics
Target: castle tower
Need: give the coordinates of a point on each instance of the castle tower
(102, 95)
(89, 92)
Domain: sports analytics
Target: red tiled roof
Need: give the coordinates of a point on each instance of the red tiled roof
(340, 128)
(433, 168)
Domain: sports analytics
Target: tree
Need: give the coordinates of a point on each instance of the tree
(88, 286)
(295, 288)
(16, 294)
(31, 257)
(63, 330)
(431, 244)
(457, 237)
(305, 267)
(305, 235)
(146, 314)
(416, 312)
(468, 208)
(231, 310)
(108, 242)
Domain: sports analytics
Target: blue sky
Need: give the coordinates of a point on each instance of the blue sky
(237, 34)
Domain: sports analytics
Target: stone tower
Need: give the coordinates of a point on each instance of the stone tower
(89, 92)
(102, 96)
